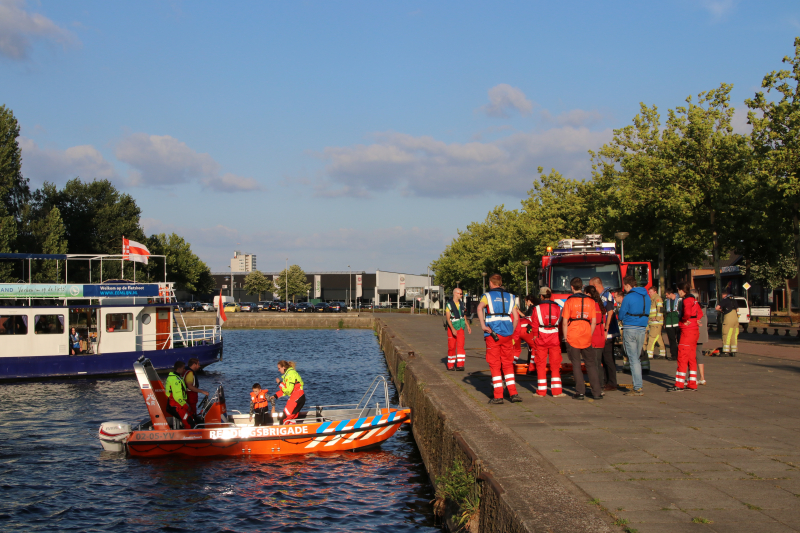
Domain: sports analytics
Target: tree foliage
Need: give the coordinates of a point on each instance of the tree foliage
(297, 282)
(184, 268)
(257, 283)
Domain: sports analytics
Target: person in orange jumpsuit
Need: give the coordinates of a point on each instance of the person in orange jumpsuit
(687, 349)
(545, 320)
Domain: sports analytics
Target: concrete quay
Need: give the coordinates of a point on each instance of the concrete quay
(723, 459)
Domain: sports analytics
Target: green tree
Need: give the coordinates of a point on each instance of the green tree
(709, 163)
(14, 189)
(642, 193)
(96, 215)
(184, 268)
(297, 283)
(49, 234)
(8, 235)
(257, 283)
(776, 140)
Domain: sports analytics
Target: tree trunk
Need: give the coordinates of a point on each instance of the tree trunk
(717, 274)
(787, 299)
(747, 277)
(797, 250)
(661, 274)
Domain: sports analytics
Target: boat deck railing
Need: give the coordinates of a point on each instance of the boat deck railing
(181, 338)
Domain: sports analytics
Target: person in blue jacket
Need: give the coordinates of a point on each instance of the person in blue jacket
(634, 315)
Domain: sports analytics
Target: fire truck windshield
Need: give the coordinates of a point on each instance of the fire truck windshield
(563, 274)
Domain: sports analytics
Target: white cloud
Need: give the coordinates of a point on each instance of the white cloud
(231, 183)
(574, 118)
(18, 28)
(503, 99)
(57, 166)
(164, 160)
(159, 160)
(423, 166)
(718, 8)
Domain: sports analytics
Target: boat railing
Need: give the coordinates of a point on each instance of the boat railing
(192, 336)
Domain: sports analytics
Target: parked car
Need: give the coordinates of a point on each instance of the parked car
(322, 307)
(405, 305)
(367, 306)
(232, 307)
(303, 307)
(249, 307)
(263, 306)
(185, 307)
(275, 305)
(743, 311)
(207, 306)
(338, 307)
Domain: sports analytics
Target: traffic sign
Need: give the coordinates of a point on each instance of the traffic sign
(746, 286)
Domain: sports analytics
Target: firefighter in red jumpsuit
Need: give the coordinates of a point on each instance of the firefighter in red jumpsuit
(524, 332)
(499, 317)
(687, 347)
(546, 318)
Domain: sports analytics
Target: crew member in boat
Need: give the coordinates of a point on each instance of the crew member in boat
(259, 405)
(290, 384)
(75, 342)
(192, 385)
(175, 388)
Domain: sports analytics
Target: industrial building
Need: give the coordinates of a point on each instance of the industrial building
(243, 262)
(379, 287)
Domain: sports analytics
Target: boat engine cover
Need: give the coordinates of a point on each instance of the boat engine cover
(113, 435)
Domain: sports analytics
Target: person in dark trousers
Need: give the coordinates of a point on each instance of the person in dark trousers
(672, 315)
(608, 374)
(578, 320)
(259, 406)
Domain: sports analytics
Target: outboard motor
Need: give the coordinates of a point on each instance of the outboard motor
(113, 435)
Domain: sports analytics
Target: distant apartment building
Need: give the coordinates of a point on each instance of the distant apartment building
(243, 262)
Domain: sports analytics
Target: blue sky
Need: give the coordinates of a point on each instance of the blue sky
(354, 133)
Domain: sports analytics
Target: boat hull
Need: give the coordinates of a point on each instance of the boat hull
(107, 364)
(290, 439)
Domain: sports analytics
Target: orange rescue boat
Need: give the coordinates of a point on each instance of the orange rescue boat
(330, 428)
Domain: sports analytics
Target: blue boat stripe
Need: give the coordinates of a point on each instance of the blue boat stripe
(377, 420)
(341, 425)
(324, 426)
(391, 416)
(358, 423)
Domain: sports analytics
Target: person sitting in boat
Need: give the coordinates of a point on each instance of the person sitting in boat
(259, 405)
(75, 342)
(192, 385)
(176, 393)
(290, 384)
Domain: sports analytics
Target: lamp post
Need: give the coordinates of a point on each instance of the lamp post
(621, 235)
(458, 284)
(526, 263)
(349, 286)
(484, 281)
(286, 284)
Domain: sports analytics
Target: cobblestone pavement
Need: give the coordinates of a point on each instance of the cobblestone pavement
(725, 458)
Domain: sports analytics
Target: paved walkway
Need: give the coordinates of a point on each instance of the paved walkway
(725, 458)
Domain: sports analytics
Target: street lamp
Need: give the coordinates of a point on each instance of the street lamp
(458, 284)
(286, 284)
(621, 235)
(484, 281)
(349, 286)
(526, 263)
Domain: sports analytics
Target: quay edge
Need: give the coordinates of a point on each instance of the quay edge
(520, 491)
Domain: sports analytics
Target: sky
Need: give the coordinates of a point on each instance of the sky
(349, 134)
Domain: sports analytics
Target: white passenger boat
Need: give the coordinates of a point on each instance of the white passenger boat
(116, 321)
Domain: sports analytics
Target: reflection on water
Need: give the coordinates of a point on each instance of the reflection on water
(55, 476)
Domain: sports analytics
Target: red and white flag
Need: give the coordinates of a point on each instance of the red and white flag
(133, 251)
(221, 309)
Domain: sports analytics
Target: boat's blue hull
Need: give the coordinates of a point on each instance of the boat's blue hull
(81, 366)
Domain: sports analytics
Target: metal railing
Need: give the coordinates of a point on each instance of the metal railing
(191, 336)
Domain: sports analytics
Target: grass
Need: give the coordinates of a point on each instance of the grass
(458, 486)
(621, 521)
(701, 520)
(594, 501)
(401, 372)
(752, 507)
(556, 450)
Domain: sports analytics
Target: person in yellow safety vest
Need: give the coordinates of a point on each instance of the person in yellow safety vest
(290, 384)
(655, 324)
(175, 388)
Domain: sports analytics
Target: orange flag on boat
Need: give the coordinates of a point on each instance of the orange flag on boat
(221, 309)
(133, 251)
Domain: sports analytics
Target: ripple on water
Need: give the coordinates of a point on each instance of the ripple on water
(56, 476)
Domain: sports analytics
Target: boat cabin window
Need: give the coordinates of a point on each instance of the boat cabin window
(14, 325)
(116, 322)
(48, 324)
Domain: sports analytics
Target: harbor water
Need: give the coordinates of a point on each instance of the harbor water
(54, 475)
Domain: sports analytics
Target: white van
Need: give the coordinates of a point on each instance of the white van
(225, 299)
(743, 311)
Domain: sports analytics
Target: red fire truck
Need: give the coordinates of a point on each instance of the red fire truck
(586, 258)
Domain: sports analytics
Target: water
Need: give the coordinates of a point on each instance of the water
(55, 476)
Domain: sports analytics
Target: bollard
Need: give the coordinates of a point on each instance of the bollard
(744, 328)
(764, 332)
(776, 332)
(787, 333)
